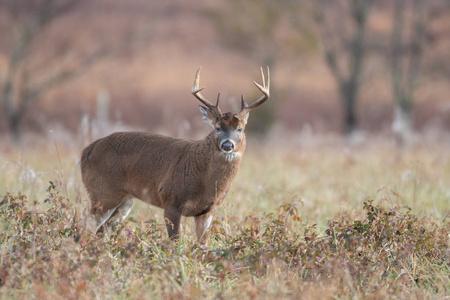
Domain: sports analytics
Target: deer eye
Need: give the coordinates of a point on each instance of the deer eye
(218, 129)
(239, 129)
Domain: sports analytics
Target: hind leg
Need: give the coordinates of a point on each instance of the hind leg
(122, 211)
(103, 207)
(100, 220)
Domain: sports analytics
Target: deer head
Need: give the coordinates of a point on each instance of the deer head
(229, 127)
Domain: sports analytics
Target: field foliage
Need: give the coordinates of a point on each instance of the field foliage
(313, 221)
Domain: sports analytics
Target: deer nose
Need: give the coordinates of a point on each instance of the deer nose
(227, 145)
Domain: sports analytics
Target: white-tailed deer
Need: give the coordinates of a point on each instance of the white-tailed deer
(183, 177)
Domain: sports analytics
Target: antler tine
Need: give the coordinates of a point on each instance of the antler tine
(265, 89)
(217, 102)
(243, 104)
(262, 75)
(196, 92)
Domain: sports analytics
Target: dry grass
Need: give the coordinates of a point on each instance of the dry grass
(317, 219)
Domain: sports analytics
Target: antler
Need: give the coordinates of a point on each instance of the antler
(265, 89)
(196, 92)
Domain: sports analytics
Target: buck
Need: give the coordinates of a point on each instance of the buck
(183, 177)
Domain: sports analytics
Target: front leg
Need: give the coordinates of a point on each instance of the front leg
(202, 224)
(172, 217)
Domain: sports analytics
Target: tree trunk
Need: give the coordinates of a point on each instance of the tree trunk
(12, 115)
(349, 116)
(348, 98)
(405, 60)
(14, 126)
(347, 76)
(402, 123)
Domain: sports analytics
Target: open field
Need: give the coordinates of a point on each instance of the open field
(313, 218)
(311, 215)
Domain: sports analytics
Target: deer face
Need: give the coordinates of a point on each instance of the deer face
(228, 130)
(229, 127)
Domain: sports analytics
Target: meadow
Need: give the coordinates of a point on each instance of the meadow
(315, 217)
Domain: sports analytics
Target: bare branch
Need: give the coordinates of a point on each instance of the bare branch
(32, 93)
(397, 47)
(360, 10)
(330, 52)
(417, 42)
(345, 57)
(41, 14)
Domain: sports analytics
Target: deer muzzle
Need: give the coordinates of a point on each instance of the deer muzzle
(227, 146)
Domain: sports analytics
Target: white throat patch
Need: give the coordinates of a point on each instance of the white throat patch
(231, 156)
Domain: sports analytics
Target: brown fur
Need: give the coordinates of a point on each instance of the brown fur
(183, 177)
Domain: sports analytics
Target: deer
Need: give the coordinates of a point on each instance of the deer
(183, 177)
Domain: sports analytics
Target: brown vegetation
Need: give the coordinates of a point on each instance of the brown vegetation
(314, 218)
(309, 215)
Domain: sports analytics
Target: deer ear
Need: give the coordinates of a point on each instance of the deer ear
(243, 116)
(208, 115)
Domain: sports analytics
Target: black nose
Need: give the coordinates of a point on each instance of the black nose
(227, 146)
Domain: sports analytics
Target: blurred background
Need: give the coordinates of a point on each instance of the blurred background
(348, 67)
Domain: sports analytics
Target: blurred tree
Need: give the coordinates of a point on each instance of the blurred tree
(342, 28)
(23, 81)
(249, 27)
(407, 42)
(259, 30)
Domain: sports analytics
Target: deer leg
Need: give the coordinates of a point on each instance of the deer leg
(96, 220)
(172, 217)
(102, 210)
(202, 224)
(121, 212)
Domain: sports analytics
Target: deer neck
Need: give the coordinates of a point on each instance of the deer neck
(214, 162)
(222, 169)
